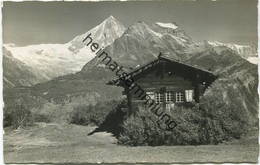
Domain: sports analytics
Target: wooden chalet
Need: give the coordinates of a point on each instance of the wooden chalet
(169, 82)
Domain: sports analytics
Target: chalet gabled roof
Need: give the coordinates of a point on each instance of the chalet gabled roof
(188, 65)
(156, 61)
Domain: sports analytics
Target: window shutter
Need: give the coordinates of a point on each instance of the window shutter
(186, 95)
(189, 95)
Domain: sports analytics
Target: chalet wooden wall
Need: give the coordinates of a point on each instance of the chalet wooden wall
(169, 79)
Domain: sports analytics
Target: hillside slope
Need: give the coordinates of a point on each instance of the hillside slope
(16, 73)
(236, 86)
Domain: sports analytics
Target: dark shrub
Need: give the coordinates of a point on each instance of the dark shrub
(91, 114)
(81, 115)
(7, 121)
(114, 120)
(135, 133)
(17, 116)
(195, 126)
(231, 118)
(142, 129)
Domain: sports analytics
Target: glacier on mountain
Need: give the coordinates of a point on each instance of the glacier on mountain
(53, 60)
(167, 25)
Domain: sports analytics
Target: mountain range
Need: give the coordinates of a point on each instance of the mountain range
(48, 61)
(76, 77)
(53, 60)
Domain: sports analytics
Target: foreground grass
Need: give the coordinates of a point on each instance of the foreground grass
(63, 143)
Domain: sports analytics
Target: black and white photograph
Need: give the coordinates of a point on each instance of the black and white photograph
(130, 82)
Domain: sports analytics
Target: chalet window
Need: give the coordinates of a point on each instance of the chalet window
(169, 96)
(189, 95)
(158, 97)
(151, 94)
(179, 97)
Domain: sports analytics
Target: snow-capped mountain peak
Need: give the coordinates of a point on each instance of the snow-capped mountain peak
(104, 34)
(53, 60)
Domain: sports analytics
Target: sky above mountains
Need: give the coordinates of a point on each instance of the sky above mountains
(26, 23)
